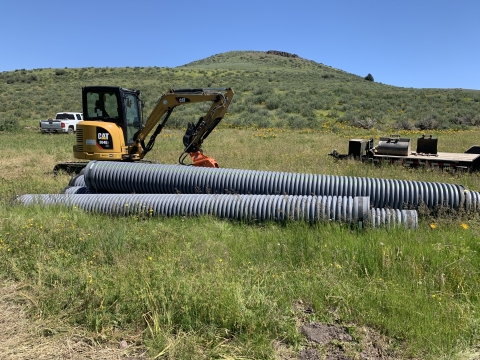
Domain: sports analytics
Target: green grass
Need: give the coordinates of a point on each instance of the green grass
(209, 288)
(220, 282)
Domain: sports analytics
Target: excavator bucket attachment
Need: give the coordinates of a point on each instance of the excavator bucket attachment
(202, 160)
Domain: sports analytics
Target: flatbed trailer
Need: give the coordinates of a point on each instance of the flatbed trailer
(396, 150)
(456, 161)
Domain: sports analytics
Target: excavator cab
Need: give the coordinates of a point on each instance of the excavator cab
(113, 104)
(112, 116)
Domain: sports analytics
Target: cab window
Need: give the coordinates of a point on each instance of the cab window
(131, 117)
(102, 105)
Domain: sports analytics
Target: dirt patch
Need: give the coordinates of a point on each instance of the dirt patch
(23, 338)
(323, 333)
(341, 342)
(327, 341)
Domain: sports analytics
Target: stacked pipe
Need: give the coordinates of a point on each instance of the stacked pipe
(240, 207)
(173, 190)
(76, 185)
(119, 177)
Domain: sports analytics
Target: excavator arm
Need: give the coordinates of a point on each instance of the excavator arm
(195, 133)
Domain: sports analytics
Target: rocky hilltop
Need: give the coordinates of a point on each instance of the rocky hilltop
(282, 53)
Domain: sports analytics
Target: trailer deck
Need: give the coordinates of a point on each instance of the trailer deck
(397, 150)
(441, 159)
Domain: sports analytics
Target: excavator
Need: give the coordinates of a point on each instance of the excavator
(113, 128)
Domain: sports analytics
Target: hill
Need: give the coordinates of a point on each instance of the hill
(272, 90)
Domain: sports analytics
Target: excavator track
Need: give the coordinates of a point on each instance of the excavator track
(75, 167)
(71, 168)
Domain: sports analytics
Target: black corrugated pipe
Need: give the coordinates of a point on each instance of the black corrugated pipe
(472, 200)
(120, 177)
(77, 190)
(77, 180)
(240, 207)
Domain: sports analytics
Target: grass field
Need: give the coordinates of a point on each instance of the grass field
(209, 288)
(188, 288)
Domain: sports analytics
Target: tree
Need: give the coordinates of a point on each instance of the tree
(369, 77)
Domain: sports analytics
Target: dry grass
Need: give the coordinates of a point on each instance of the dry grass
(25, 338)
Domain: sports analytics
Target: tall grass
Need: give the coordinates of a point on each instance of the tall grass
(231, 287)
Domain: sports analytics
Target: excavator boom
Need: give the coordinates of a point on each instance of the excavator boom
(195, 133)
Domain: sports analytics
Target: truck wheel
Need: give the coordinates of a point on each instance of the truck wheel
(70, 130)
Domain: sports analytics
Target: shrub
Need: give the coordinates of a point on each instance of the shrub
(259, 120)
(9, 124)
(469, 120)
(369, 77)
(272, 102)
(281, 114)
(428, 123)
(476, 120)
(237, 122)
(333, 114)
(367, 123)
(307, 111)
(262, 90)
(290, 106)
(297, 122)
(403, 124)
(31, 78)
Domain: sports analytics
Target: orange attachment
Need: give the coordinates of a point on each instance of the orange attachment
(202, 160)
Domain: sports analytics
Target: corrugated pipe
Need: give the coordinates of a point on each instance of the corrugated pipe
(77, 190)
(472, 200)
(239, 207)
(120, 177)
(77, 180)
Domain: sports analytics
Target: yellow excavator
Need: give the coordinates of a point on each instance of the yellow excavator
(113, 128)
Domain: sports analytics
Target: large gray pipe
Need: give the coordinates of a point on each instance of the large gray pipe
(77, 180)
(121, 177)
(77, 190)
(240, 207)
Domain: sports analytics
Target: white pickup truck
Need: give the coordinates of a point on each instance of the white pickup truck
(64, 122)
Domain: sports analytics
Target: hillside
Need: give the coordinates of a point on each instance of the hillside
(271, 91)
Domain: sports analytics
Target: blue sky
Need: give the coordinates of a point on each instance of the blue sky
(407, 43)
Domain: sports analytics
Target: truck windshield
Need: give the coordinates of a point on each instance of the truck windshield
(64, 116)
(102, 105)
